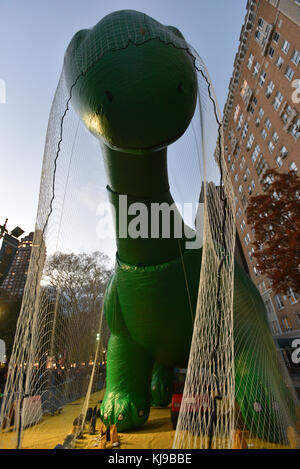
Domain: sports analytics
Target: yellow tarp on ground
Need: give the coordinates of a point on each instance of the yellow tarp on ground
(157, 433)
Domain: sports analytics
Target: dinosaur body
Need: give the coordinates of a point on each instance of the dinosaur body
(138, 98)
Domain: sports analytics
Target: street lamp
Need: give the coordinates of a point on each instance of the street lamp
(16, 232)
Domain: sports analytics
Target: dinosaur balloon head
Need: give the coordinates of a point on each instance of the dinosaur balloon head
(132, 81)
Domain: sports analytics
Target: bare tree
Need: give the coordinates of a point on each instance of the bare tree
(80, 281)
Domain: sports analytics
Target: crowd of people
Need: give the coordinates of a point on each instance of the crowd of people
(58, 385)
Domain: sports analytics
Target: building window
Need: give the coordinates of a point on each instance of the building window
(237, 152)
(257, 35)
(289, 73)
(240, 189)
(244, 88)
(256, 69)
(284, 152)
(241, 120)
(285, 46)
(250, 61)
(250, 141)
(246, 174)
(270, 89)
(236, 177)
(293, 167)
(271, 146)
(278, 100)
(247, 239)
(279, 62)
(295, 58)
(286, 323)
(261, 112)
(293, 297)
(264, 134)
(243, 225)
(276, 37)
(261, 165)
(242, 162)
(268, 124)
(255, 153)
(278, 161)
(236, 112)
(275, 137)
(245, 130)
(278, 301)
(250, 254)
(238, 213)
(260, 22)
(286, 113)
(244, 201)
(271, 52)
(256, 272)
(232, 167)
(262, 78)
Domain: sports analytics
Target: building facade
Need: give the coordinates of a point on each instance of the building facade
(14, 282)
(262, 127)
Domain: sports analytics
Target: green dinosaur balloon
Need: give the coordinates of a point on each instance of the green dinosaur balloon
(138, 97)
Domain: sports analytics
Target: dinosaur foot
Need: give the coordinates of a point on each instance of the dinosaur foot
(125, 410)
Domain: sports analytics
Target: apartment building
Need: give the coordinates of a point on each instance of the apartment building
(14, 282)
(262, 128)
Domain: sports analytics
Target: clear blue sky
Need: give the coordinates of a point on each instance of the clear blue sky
(33, 37)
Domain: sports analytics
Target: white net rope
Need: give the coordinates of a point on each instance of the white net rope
(58, 359)
(207, 407)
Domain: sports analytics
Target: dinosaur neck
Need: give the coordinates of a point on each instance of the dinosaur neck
(137, 186)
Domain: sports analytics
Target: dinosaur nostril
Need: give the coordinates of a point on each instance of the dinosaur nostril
(180, 87)
(109, 95)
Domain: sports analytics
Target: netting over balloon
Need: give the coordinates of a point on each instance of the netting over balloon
(234, 381)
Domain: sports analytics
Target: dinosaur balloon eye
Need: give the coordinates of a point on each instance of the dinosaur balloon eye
(109, 95)
(120, 417)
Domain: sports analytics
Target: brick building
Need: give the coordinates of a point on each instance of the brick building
(262, 127)
(14, 282)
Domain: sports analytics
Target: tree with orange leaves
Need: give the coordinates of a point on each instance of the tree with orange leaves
(275, 218)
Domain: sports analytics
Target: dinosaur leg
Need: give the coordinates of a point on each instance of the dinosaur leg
(161, 385)
(127, 399)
